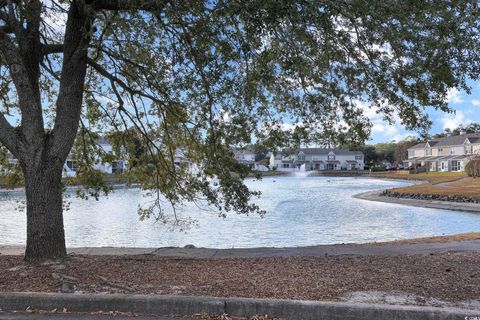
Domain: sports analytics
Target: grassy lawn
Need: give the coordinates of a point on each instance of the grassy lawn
(432, 177)
(439, 183)
(467, 187)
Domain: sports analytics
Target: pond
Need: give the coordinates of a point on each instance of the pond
(300, 211)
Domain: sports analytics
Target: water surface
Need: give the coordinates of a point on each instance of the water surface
(300, 211)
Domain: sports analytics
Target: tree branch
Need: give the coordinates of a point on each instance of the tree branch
(8, 135)
(52, 48)
(70, 96)
(5, 30)
(146, 5)
(120, 82)
(31, 113)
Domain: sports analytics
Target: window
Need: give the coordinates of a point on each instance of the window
(440, 151)
(411, 153)
(301, 156)
(286, 165)
(452, 151)
(332, 157)
(117, 166)
(469, 149)
(455, 165)
(428, 151)
(71, 165)
(358, 157)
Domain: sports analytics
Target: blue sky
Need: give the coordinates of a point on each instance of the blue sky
(467, 109)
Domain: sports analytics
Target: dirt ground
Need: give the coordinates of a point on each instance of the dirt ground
(436, 239)
(451, 277)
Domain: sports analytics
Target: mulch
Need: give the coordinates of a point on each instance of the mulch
(451, 277)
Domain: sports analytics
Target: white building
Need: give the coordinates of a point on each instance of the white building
(117, 166)
(445, 154)
(245, 156)
(318, 159)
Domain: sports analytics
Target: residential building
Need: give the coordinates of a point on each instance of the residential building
(181, 157)
(318, 159)
(445, 154)
(245, 156)
(117, 166)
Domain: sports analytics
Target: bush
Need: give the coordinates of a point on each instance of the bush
(473, 168)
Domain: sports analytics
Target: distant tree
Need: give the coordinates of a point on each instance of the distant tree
(470, 128)
(370, 154)
(207, 75)
(440, 135)
(386, 151)
(400, 153)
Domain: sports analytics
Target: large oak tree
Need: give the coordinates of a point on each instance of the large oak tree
(204, 76)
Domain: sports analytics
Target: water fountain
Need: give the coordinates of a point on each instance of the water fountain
(301, 172)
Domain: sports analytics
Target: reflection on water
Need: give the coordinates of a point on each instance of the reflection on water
(300, 211)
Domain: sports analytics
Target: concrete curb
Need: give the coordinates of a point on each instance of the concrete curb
(154, 304)
(181, 305)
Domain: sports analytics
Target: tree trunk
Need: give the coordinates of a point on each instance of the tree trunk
(45, 232)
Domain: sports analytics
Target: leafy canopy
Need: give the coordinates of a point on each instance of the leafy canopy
(206, 76)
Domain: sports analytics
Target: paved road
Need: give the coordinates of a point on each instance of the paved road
(36, 316)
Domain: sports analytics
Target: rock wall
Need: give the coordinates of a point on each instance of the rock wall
(417, 196)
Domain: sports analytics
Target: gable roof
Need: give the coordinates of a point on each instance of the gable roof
(323, 151)
(449, 141)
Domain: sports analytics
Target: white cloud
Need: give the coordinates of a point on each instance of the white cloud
(380, 127)
(476, 102)
(454, 96)
(389, 132)
(453, 121)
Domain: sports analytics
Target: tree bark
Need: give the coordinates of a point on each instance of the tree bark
(45, 230)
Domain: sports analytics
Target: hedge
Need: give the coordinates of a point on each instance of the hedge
(473, 168)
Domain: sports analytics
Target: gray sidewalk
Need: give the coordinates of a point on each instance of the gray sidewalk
(312, 251)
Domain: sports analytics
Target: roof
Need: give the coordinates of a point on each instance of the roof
(450, 141)
(420, 145)
(338, 152)
(243, 151)
(441, 158)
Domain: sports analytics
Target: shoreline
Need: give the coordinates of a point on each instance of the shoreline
(432, 204)
(456, 242)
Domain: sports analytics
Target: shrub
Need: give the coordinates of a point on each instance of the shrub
(473, 168)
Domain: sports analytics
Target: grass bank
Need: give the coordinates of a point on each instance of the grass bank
(430, 177)
(436, 184)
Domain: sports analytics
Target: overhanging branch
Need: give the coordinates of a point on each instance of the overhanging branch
(52, 48)
(146, 5)
(120, 82)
